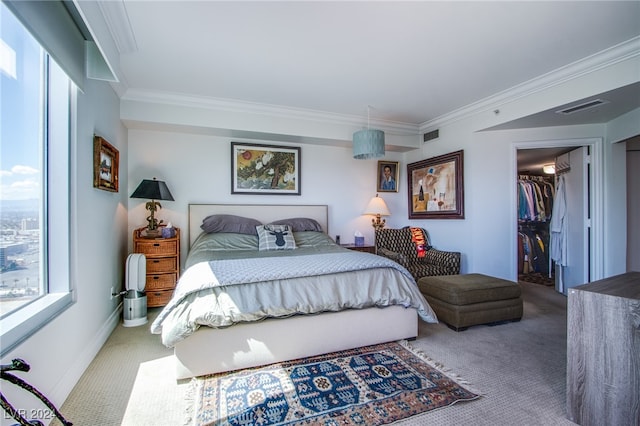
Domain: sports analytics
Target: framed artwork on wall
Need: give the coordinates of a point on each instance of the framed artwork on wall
(265, 169)
(388, 176)
(105, 165)
(436, 187)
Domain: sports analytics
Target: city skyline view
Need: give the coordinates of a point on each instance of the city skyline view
(20, 159)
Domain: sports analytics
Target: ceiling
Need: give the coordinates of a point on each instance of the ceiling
(531, 161)
(402, 62)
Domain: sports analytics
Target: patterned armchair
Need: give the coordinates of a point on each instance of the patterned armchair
(403, 246)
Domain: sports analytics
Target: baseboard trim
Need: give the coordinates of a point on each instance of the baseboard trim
(79, 365)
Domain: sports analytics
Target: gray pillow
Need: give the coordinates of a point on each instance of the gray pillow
(229, 223)
(300, 224)
(312, 239)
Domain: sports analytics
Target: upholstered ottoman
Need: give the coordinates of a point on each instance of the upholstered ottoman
(461, 301)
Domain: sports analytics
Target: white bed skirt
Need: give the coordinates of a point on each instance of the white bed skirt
(241, 346)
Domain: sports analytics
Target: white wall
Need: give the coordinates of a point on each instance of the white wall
(61, 351)
(633, 204)
(623, 127)
(197, 169)
(196, 165)
(487, 236)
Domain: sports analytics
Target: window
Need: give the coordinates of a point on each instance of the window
(35, 112)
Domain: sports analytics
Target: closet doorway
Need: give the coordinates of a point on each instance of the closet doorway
(533, 215)
(536, 195)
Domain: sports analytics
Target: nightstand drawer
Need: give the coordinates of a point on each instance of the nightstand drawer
(166, 247)
(158, 298)
(161, 264)
(160, 281)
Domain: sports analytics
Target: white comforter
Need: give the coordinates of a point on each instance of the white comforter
(221, 293)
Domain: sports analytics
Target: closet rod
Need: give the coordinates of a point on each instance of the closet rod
(534, 177)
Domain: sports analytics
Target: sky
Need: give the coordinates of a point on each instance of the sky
(20, 153)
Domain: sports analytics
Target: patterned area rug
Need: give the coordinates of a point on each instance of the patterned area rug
(374, 385)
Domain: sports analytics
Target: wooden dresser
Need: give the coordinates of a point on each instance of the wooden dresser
(603, 352)
(163, 265)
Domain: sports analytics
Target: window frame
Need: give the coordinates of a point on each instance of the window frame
(58, 119)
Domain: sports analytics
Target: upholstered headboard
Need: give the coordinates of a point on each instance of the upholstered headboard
(265, 213)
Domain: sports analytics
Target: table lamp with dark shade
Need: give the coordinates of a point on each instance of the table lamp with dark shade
(152, 190)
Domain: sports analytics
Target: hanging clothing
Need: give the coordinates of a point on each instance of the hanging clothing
(535, 201)
(535, 198)
(533, 242)
(558, 225)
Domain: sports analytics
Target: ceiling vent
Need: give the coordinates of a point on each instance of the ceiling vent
(434, 134)
(587, 105)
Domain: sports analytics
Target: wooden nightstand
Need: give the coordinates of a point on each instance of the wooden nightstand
(366, 249)
(163, 265)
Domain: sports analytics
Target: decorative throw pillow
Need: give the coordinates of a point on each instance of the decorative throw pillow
(397, 257)
(300, 224)
(275, 237)
(229, 223)
(418, 238)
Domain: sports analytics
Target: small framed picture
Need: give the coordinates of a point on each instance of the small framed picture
(105, 165)
(388, 176)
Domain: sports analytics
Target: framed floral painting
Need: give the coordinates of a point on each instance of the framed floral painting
(265, 169)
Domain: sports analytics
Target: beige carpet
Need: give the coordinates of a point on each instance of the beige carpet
(518, 367)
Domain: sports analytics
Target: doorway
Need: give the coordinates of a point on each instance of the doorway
(536, 187)
(633, 204)
(529, 159)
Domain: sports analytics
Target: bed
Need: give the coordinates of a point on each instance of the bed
(240, 303)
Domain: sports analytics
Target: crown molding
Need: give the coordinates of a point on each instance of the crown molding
(603, 59)
(275, 111)
(117, 20)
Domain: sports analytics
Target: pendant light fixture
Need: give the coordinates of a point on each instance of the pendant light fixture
(368, 143)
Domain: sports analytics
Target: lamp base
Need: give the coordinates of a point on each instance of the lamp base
(377, 223)
(148, 233)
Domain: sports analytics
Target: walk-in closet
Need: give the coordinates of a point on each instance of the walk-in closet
(536, 187)
(535, 203)
(554, 225)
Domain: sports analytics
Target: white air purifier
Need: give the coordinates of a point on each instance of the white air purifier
(135, 299)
